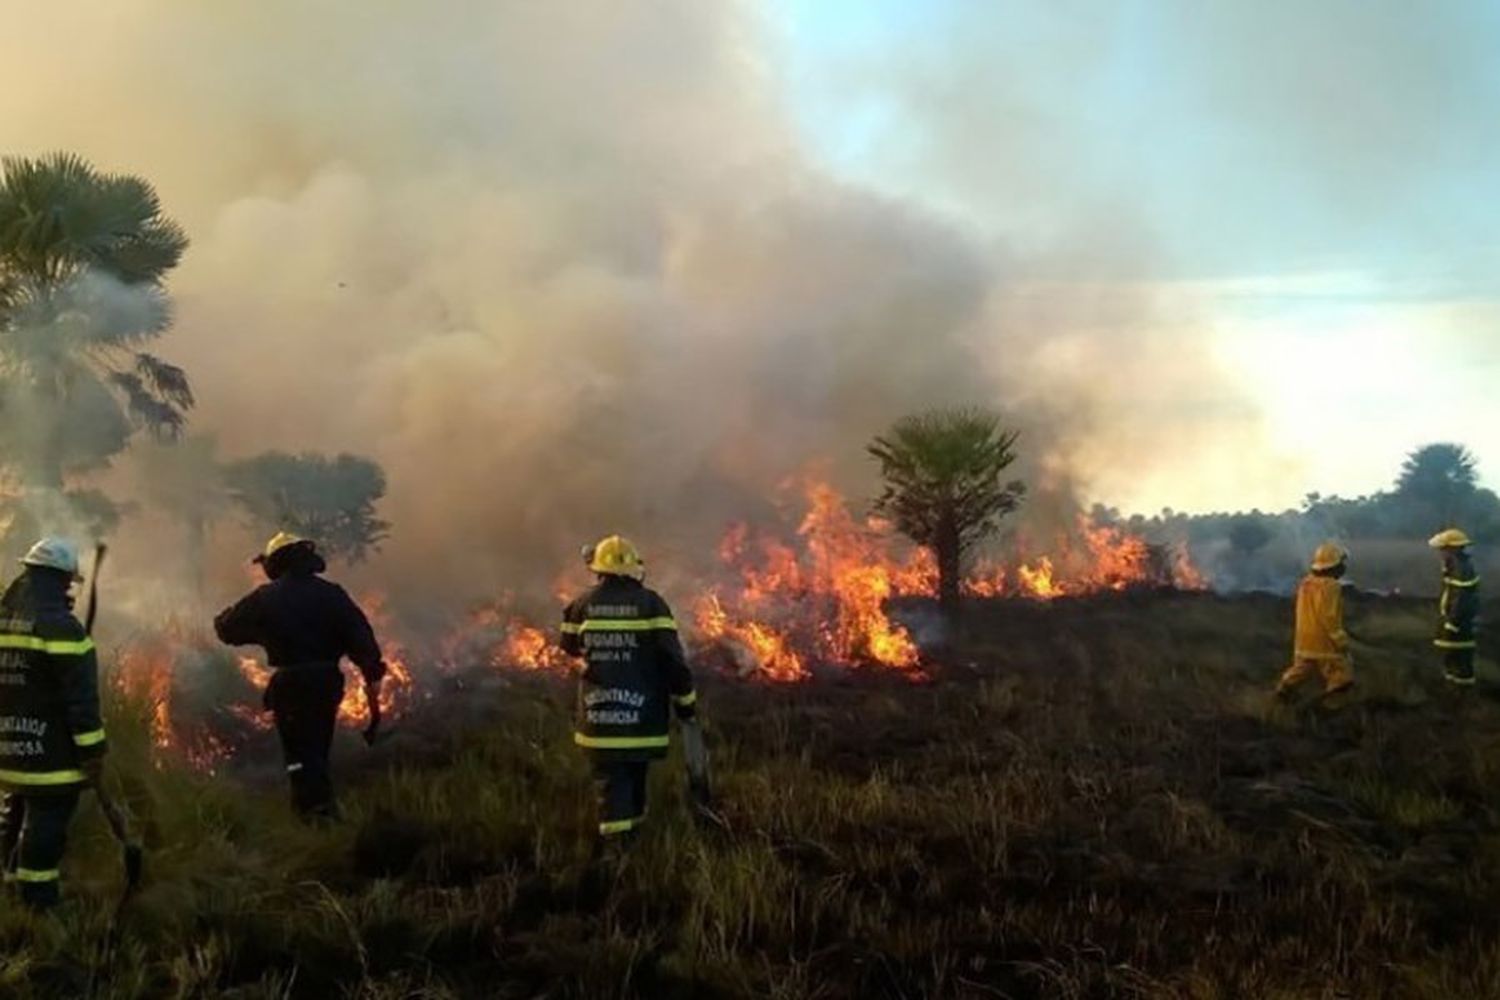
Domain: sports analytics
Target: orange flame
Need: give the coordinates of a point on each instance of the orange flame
(528, 648)
(146, 668)
(154, 665)
(824, 602)
(1039, 580)
(354, 709)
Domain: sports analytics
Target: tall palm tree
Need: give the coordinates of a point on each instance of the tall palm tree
(83, 257)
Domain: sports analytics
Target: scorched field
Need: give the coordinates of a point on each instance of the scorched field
(1079, 798)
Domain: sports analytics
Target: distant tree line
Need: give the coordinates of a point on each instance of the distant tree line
(1437, 487)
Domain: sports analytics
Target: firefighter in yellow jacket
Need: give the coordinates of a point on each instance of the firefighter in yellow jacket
(1458, 608)
(1321, 645)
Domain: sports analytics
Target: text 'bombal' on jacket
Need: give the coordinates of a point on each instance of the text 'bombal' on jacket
(302, 619)
(1320, 619)
(634, 668)
(1459, 605)
(49, 687)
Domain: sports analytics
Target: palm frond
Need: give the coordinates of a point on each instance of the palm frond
(58, 215)
(167, 381)
(161, 418)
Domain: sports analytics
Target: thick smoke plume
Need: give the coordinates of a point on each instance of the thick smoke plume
(561, 268)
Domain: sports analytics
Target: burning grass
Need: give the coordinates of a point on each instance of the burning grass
(818, 595)
(1086, 798)
(816, 600)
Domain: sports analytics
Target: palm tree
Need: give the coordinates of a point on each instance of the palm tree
(943, 486)
(83, 256)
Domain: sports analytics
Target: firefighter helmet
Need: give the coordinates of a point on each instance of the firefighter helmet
(1453, 538)
(1329, 555)
(614, 556)
(281, 540)
(54, 553)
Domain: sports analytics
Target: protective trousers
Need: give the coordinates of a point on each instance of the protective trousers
(305, 703)
(1337, 671)
(33, 835)
(622, 795)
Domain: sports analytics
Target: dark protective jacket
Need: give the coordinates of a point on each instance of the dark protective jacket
(49, 687)
(634, 667)
(1459, 604)
(301, 619)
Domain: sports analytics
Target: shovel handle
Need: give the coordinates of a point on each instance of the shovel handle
(100, 549)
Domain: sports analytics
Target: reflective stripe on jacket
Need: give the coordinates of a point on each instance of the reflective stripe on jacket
(1320, 619)
(1458, 607)
(634, 668)
(49, 687)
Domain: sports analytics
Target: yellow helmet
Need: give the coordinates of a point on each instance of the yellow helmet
(1453, 538)
(617, 557)
(279, 541)
(1328, 555)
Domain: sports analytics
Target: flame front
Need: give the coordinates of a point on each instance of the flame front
(148, 669)
(812, 596)
(529, 648)
(824, 603)
(822, 598)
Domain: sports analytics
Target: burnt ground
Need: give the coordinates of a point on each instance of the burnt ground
(1080, 799)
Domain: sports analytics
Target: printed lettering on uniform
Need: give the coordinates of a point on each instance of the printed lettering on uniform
(613, 717)
(22, 724)
(21, 748)
(613, 611)
(617, 696)
(611, 640)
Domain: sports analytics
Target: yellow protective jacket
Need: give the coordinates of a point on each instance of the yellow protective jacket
(1320, 619)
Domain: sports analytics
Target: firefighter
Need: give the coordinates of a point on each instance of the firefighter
(634, 667)
(306, 625)
(1320, 644)
(1458, 607)
(51, 733)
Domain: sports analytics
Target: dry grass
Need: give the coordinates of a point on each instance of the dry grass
(1088, 800)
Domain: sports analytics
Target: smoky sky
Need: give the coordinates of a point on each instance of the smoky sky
(572, 268)
(561, 269)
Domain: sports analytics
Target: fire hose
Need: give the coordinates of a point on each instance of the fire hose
(132, 855)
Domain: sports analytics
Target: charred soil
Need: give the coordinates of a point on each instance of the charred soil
(1086, 798)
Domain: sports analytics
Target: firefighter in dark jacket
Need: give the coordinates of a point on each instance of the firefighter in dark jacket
(51, 733)
(634, 669)
(1458, 608)
(306, 625)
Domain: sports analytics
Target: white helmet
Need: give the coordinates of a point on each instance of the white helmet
(54, 553)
